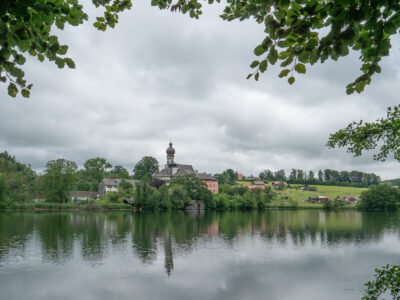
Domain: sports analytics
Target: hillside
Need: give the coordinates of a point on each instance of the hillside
(322, 190)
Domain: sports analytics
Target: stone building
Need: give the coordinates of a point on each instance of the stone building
(173, 169)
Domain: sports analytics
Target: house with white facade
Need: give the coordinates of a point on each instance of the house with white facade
(111, 185)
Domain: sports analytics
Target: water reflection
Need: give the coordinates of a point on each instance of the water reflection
(95, 235)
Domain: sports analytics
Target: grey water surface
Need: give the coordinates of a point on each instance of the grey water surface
(282, 254)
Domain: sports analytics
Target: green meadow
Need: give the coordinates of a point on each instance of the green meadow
(322, 190)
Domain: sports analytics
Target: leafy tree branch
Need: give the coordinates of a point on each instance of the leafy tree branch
(360, 136)
(297, 32)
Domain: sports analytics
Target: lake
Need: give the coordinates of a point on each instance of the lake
(275, 254)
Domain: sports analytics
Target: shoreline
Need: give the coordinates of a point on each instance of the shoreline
(124, 207)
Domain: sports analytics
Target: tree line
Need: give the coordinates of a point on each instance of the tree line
(19, 182)
(323, 177)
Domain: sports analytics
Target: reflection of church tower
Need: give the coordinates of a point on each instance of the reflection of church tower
(169, 260)
(170, 155)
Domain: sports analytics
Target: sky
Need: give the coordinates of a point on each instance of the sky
(160, 76)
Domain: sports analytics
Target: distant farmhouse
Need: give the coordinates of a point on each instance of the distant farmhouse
(276, 184)
(111, 185)
(257, 185)
(173, 169)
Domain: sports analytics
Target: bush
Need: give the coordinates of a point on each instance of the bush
(153, 202)
(112, 197)
(328, 204)
(380, 197)
(164, 197)
(179, 197)
(223, 202)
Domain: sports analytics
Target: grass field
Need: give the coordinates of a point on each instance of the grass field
(322, 190)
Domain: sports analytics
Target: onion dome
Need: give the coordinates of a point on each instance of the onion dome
(170, 150)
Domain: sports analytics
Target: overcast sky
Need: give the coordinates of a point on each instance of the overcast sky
(161, 76)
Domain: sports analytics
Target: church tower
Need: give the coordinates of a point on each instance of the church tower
(170, 155)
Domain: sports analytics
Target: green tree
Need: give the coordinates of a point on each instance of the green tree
(164, 197)
(311, 177)
(153, 202)
(381, 197)
(142, 193)
(300, 175)
(146, 168)
(59, 177)
(227, 177)
(178, 197)
(191, 183)
(95, 170)
(207, 197)
(19, 178)
(320, 176)
(249, 201)
(280, 175)
(126, 188)
(293, 176)
(266, 175)
(119, 172)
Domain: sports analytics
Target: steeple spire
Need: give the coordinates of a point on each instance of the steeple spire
(170, 154)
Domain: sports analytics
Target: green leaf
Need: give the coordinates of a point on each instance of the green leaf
(300, 68)
(390, 28)
(17, 72)
(284, 73)
(360, 87)
(249, 76)
(12, 90)
(263, 66)
(259, 50)
(25, 93)
(273, 55)
(60, 62)
(59, 24)
(254, 64)
(291, 80)
(62, 50)
(256, 76)
(40, 57)
(70, 63)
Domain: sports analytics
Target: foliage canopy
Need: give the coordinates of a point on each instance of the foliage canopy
(360, 136)
(297, 33)
(146, 168)
(380, 197)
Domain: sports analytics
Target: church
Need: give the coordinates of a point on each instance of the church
(173, 169)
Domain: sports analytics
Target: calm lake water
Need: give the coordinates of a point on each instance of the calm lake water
(232, 255)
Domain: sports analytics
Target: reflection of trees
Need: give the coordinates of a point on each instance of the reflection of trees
(177, 233)
(14, 232)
